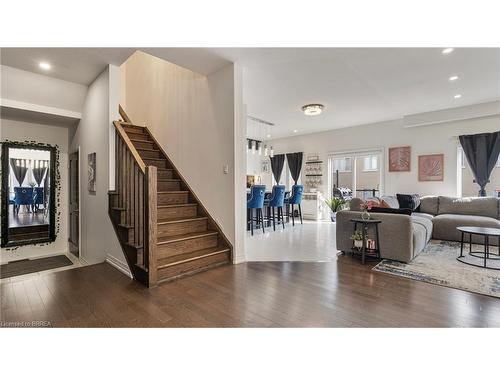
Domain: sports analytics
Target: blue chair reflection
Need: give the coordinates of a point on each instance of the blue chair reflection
(23, 196)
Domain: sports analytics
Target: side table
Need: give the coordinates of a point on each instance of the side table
(364, 229)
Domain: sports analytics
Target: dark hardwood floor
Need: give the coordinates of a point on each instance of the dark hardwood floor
(259, 294)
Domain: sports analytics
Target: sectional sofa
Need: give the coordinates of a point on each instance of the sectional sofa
(403, 237)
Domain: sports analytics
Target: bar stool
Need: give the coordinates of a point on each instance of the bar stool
(295, 199)
(276, 201)
(256, 202)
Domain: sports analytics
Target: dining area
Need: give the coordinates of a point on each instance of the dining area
(274, 196)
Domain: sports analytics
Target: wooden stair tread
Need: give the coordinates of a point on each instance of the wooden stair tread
(182, 220)
(183, 237)
(174, 192)
(177, 205)
(169, 179)
(118, 208)
(161, 159)
(143, 141)
(148, 149)
(194, 256)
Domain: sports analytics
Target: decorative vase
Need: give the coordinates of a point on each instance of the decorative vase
(365, 215)
(333, 216)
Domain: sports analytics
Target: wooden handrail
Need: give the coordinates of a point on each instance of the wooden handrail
(123, 135)
(122, 113)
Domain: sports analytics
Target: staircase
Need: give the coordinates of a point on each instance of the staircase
(164, 230)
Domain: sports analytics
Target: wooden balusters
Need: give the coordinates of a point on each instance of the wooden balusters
(151, 224)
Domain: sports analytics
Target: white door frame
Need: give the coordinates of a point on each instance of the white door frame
(353, 154)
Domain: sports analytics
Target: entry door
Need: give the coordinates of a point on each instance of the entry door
(74, 214)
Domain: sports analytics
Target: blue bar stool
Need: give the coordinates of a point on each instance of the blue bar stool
(276, 200)
(295, 199)
(256, 202)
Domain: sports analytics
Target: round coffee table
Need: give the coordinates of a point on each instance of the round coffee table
(485, 255)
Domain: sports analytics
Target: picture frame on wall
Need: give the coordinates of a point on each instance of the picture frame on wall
(400, 159)
(431, 167)
(91, 167)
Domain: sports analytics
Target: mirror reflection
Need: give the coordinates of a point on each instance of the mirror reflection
(29, 186)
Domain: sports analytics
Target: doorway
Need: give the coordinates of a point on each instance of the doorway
(74, 204)
(359, 172)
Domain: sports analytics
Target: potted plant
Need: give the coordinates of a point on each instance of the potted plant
(357, 237)
(335, 204)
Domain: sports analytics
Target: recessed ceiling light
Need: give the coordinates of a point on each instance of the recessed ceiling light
(453, 78)
(447, 50)
(44, 65)
(268, 136)
(458, 96)
(295, 131)
(312, 109)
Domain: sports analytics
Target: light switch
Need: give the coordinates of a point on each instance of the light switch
(225, 169)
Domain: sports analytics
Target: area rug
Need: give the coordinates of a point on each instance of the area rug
(437, 264)
(23, 267)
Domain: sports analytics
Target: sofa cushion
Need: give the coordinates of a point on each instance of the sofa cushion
(422, 232)
(422, 214)
(445, 226)
(479, 206)
(429, 205)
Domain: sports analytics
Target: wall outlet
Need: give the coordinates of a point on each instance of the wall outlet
(225, 169)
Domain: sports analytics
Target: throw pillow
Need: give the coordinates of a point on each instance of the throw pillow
(411, 201)
(384, 204)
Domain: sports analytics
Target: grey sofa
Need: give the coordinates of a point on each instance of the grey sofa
(403, 237)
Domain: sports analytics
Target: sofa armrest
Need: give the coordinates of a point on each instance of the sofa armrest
(395, 231)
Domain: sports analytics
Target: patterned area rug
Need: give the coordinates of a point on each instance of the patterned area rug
(437, 264)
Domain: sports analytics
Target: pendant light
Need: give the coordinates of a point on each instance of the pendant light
(253, 147)
(266, 152)
(272, 152)
(259, 147)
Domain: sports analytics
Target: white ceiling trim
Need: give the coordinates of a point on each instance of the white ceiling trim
(467, 112)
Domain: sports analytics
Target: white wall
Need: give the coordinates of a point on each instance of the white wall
(193, 117)
(431, 139)
(40, 89)
(97, 237)
(54, 135)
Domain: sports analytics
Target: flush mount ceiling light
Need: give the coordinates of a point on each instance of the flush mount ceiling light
(447, 51)
(44, 65)
(453, 78)
(458, 96)
(312, 109)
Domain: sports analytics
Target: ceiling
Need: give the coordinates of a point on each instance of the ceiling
(361, 85)
(356, 85)
(79, 65)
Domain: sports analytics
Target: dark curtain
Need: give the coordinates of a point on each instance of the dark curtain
(481, 151)
(277, 163)
(19, 166)
(295, 165)
(38, 173)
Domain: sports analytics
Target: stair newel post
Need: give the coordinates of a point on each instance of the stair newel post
(151, 223)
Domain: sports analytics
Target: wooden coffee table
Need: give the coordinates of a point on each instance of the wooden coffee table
(486, 254)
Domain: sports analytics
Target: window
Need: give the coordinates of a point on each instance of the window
(370, 163)
(342, 164)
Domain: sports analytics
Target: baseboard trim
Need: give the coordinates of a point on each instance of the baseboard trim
(119, 265)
